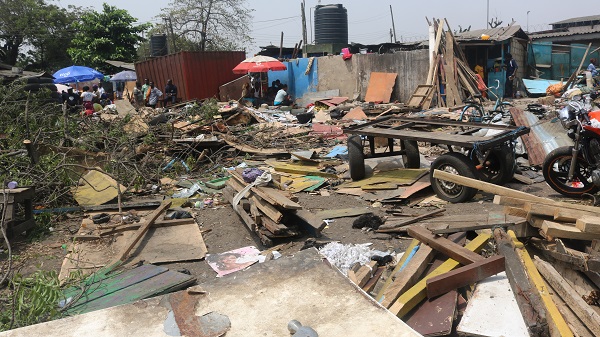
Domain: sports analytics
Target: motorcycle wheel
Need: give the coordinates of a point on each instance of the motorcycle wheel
(556, 170)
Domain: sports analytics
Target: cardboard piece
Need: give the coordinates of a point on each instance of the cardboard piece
(96, 188)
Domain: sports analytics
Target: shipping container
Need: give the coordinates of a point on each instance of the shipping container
(197, 75)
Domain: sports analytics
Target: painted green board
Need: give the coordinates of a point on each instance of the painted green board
(126, 293)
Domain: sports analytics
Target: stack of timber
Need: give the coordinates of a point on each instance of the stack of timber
(271, 213)
(450, 80)
(560, 294)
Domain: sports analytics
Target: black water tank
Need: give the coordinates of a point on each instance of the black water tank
(331, 24)
(158, 45)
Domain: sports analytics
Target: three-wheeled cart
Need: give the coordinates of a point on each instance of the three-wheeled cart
(489, 158)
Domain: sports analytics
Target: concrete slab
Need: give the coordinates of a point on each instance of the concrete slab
(258, 302)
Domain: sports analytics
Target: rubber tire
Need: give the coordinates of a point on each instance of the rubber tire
(504, 157)
(356, 157)
(464, 167)
(547, 167)
(412, 158)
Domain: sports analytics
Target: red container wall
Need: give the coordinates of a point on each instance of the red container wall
(197, 75)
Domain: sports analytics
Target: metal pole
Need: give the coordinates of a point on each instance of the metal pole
(304, 34)
(487, 24)
(281, 47)
(528, 21)
(393, 26)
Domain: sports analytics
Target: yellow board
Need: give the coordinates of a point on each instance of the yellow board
(399, 265)
(413, 296)
(399, 176)
(96, 188)
(559, 322)
(308, 169)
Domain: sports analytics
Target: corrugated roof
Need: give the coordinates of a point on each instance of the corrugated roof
(496, 34)
(566, 32)
(579, 19)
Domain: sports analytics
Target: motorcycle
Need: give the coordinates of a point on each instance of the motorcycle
(575, 170)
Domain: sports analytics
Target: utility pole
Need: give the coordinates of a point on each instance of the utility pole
(304, 33)
(281, 47)
(391, 36)
(393, 26)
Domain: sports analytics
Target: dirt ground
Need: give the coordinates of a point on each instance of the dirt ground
(227, 231)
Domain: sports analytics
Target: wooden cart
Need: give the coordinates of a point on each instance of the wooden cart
(489, 158)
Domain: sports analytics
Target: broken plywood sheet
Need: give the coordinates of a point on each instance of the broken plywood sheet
(355, 114)
(380, 87)
(259, 301)
(312, 97)
(493, 311)
(435, 317)
(399, 176)
(96, 188)
(306, 168)
(160, 245)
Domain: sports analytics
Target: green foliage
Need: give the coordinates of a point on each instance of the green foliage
(36, 300)
(109, 35)
(44, 29)
(43, 222)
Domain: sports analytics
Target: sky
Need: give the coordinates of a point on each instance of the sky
(369, 22)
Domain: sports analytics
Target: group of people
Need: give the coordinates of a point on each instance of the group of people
(149, 95)
(276, 94)
(92, 99)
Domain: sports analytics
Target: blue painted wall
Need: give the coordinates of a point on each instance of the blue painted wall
(298, 83)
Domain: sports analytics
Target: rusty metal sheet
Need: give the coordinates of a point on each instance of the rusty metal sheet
(380, 87)
(435, 317)
(197, 75)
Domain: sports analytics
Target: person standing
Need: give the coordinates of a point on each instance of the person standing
(87, 97)
(511, 71)
(138, 95)
(170, 93)
(145, 88)
(591, 72)
(153, 95)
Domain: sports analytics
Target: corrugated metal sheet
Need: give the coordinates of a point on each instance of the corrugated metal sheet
(197, 75)
(571, 31)
(579, 19)
(496, 34)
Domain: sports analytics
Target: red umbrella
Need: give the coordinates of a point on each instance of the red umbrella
(258, 64)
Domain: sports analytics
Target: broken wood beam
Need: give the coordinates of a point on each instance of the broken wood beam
(588, 224)
(413, 296)
(445, 246)
(557, 324)
(566, 231)
(464, 276)
(504, 191)
(391, 227)
(586, 314)
(410, 251)
(139, 234)
(529, 300)
(268, 209)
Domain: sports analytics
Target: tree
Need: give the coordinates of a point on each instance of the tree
(110, 35)
(210, 24)
(44, 29)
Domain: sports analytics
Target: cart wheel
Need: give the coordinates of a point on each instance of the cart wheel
(411, 159)
(500, 166)
(454, 163)
(356, 157)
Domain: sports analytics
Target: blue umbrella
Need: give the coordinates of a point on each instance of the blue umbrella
(124, 76)
(74, 74)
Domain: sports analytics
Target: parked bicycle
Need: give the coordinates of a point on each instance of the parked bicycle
(474, 111)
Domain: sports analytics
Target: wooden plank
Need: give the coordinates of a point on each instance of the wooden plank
(577, 328)
(342, 213)
(407, 255)
(504, 191)
(464, 276)
(393, 225)
(445, 246)
(228, 193)
(370, 285)
(539, 209)
(586, 314)
(564, 231)
(468, 227)
(413, 296)
(509, 201)
(139, 234)
(515, 211)
(558, 325)
(571, 215)
(267, 209)
(407, 276)
(528, 299)
(362, 274)
(309, 221)
(272, 196)
(588, 224)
